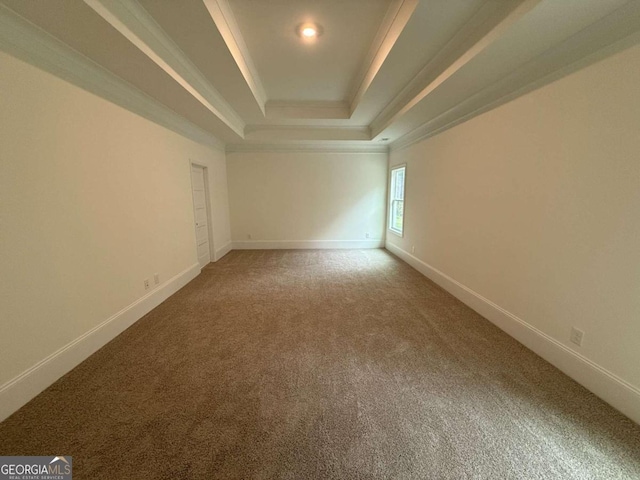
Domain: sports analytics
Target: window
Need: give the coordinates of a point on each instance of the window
(396, 200)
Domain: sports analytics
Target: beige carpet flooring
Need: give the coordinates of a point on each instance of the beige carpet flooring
(321, 365)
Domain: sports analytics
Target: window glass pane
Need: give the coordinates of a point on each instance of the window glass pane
(397, 215)
(396, 200)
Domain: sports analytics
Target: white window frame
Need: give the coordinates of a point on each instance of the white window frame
(395, 231)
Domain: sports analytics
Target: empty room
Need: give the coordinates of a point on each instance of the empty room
(319, 239)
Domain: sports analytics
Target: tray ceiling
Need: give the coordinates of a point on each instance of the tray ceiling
(382, 72)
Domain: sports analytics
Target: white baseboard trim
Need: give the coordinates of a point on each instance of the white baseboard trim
(306, 244)
(221, 252)
(18, 391)
(612, 389)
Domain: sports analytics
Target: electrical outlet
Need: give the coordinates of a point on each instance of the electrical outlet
(366, 235)
(248, 236)
(146, 284)
(413, 249)
(156, 278)
(576, 336)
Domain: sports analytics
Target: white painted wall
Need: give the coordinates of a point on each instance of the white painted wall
(283, 199)
(93, 200)
(535, 206)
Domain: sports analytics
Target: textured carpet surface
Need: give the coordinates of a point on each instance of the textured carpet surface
(327, 365)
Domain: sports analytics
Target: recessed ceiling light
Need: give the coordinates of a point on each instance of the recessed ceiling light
(309, 31)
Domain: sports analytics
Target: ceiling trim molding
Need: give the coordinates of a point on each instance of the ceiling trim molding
(284, 133)
(257, 127)
(393, 24)
(312, 110)
(222, 15)
(28, 42)
(325, 147)
(612, 34)
(139, 27)
(455, 55)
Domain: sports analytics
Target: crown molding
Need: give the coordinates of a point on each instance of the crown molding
(222, 15)
(308, 147)
(612, 34)
(396, 18)
(282, 109)
(29, 43)
(139, 27)
(281, 133)
(488, 24)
